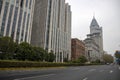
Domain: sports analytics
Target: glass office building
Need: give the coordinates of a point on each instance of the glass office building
(52, 28)
(16, 18)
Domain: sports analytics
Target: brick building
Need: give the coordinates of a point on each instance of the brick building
(77, 48)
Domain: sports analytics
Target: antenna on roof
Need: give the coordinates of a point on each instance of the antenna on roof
(93, 14)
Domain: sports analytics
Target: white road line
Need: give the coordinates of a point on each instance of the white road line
(92, 70)
(119, 68)
(76, 69)
(101, 70)
(34, 77)
(111, 71)
(85, 78)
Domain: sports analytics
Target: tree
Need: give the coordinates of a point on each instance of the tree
(97, 61)
(7, 47)
(108, 58)
(117, 54)
(46, 56)
(39, 54)
(65, 59)
(51, 56)
(24, 52)
(81, 59)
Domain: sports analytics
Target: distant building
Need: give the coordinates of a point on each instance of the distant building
(16, 18)
(94, 42)
(92, 49)
(77, 48)
(52, 27)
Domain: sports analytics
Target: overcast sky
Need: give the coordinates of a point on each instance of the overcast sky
(107, 14)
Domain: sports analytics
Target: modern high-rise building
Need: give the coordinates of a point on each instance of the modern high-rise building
(52, 27)
(16, 17)
(41, 23)
(67, 29)
(94, 42)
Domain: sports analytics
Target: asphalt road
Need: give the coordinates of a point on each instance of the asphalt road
(103, 72)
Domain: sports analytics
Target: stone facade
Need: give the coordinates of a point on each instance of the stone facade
(94, 42)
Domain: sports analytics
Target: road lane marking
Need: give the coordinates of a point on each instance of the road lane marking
(92, 70)
(111, 71)
(76, 69)
(119, 68)
(101, 70)
(34, 77)
(85, 78)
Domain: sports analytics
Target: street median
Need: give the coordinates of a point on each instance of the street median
(20, 64)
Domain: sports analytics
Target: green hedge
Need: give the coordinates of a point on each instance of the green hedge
(18, 64)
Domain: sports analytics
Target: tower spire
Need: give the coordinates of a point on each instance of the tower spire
(94, 22)
(93, 15)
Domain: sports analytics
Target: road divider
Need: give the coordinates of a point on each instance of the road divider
(35, 64)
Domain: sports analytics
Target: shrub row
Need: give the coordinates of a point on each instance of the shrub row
(18, 64)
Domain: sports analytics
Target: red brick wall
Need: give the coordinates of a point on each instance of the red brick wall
(77, 48)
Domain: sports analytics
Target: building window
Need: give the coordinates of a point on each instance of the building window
(21, 3)
(48, 25)
(23, 26)
(26, 3)
(14, 22)
(27, 27)
(4, 18)
(17, 1)
(19, 25)
(30, 4)
(9, 20)
(1, 2)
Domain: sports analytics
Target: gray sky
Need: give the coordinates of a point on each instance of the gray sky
(107, 14)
